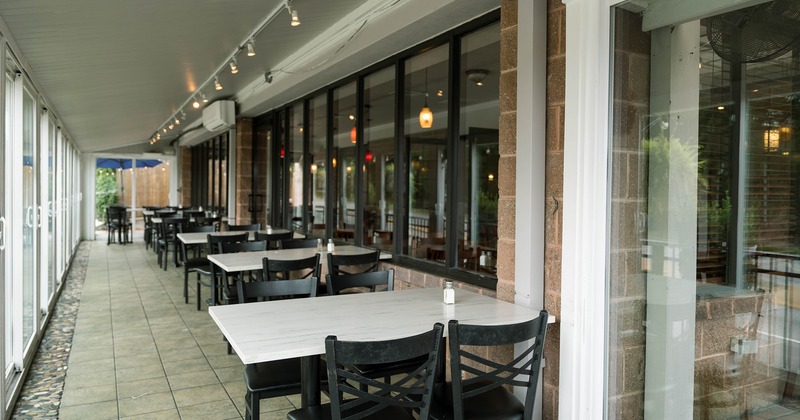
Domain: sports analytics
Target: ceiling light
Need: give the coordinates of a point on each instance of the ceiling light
(295, 19)
(203, 95)
(251, 49)
(477, 76)
(439, 92)
(177, 121)
(217, 84)
(352, 117)
(195, 103)
(183, 115)
(234, 69)
(171, 126)
(158, 136)
(165, 129)
(425, 114)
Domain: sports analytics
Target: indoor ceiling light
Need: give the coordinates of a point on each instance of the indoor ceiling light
(234, 69)
(425, 114)
(177, 121)
(217, 84)
(203, 95)
(195, 103)
(251, 48)
(171, 126)
(477, 76)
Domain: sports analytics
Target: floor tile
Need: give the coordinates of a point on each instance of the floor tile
(141, 387)
(215, 410)
(90, 394)
(147, 403)
(102, 410)
(193, 379)
(200, 395)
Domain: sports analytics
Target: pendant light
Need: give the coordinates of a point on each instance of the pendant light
(425, 114)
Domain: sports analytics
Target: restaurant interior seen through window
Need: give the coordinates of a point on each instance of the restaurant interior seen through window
(412, 174)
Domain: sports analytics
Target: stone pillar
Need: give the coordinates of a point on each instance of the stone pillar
(244, 169)
(186, 177)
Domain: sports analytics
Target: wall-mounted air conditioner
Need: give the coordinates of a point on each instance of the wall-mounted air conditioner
(219, 114)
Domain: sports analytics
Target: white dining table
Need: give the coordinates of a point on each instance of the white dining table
(275, 330)
(201, 238)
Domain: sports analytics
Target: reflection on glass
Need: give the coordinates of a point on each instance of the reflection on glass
(280, 174)
(705, 246)
(426, 81)
(378, 168)
(343, 165)
(296, 165)
(318, 156)
(29, 256)
(479, 154)
(8, 303)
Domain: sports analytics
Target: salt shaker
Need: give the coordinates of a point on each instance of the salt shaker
(330, 245)
(449, 293)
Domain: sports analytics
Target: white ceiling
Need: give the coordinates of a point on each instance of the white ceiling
(115, 71)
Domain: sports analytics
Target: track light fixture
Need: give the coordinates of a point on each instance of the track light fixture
(293, 12)
(203, 95)
(234, 69)
(217, 84)
(183, 114)
(195, 103)
(177, 121)
(251, 48)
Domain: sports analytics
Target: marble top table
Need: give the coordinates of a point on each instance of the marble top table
(247, 261)
(304, 323)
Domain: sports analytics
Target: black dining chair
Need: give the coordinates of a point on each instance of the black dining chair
(214, 246)
(480, 387)
(168, 238)
(250, 227)
(372, 280)
(194, 263)
(229, 280)
(290, 269)
(279, 377)
(359, 263)
(355, 396)
(298, 243)
(273, 239)
(208, 221)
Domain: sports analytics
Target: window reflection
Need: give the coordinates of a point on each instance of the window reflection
(318, 156)
(379, 144)
(343, 165)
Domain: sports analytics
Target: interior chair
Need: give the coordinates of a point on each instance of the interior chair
(273, 239)
(160, 213)
(214, 246)
(480, 387)
(148, 230)
(298, 243)
(372, 280)
(280, 377)
(351, 264)
(290, 269)
(354, 396)
(111, 225)
(194, 263)
(170, 227)
(254, 226)
(208, 221)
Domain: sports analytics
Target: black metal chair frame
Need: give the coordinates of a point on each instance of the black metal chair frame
(194, 263)
(170, 227)
(298, 243)
(486, 380)
(250, 227)
(273, 238)
(370, 280)
(354, 396)
(280, 377)
(214, 247)
(273, 268)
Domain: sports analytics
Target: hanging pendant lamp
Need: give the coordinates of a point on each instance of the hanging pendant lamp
(425, 114)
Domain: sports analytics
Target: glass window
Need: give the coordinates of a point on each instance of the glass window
(705, 246)
(29, 188)
(318, 156)
(379, 149)
(210, 181)
(344, 162)
(8, 305)
(296, 167)
(426, 104)
(478, 154)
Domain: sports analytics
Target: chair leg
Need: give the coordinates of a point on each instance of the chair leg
(166, 256)
(253, 407)
(185, 285)
(198, 293)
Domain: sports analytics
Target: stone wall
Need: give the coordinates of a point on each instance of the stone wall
(185, 170)
(244, 169)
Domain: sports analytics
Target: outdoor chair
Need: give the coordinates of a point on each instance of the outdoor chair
(355, 396)
(214, 247)
(480, 387)
(280, 377)
(273, 239)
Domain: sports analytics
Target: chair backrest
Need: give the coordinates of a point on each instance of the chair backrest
(408, 391)
(165, 213)
(359, 263)
(268, 290)
(170, 226)
(193, 229)
(371, 280)
(273, 238)
(215, 241)
(254, 226)
(292, 269)
(298, 243)
(469, 342)
(233, 247)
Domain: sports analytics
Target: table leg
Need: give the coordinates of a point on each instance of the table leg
(213, 282)
(309, 368)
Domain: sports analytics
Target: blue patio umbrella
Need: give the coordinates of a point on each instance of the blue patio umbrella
(114, 163)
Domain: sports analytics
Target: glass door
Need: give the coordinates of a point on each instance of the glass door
(30, 217)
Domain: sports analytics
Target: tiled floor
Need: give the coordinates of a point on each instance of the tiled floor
(139, 352)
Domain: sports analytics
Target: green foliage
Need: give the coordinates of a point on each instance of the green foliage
(105, 191)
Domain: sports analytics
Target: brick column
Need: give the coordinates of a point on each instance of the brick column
(186, 177)
(244, 168)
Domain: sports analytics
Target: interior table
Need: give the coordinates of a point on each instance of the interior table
(200, 238)
(304, 323)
